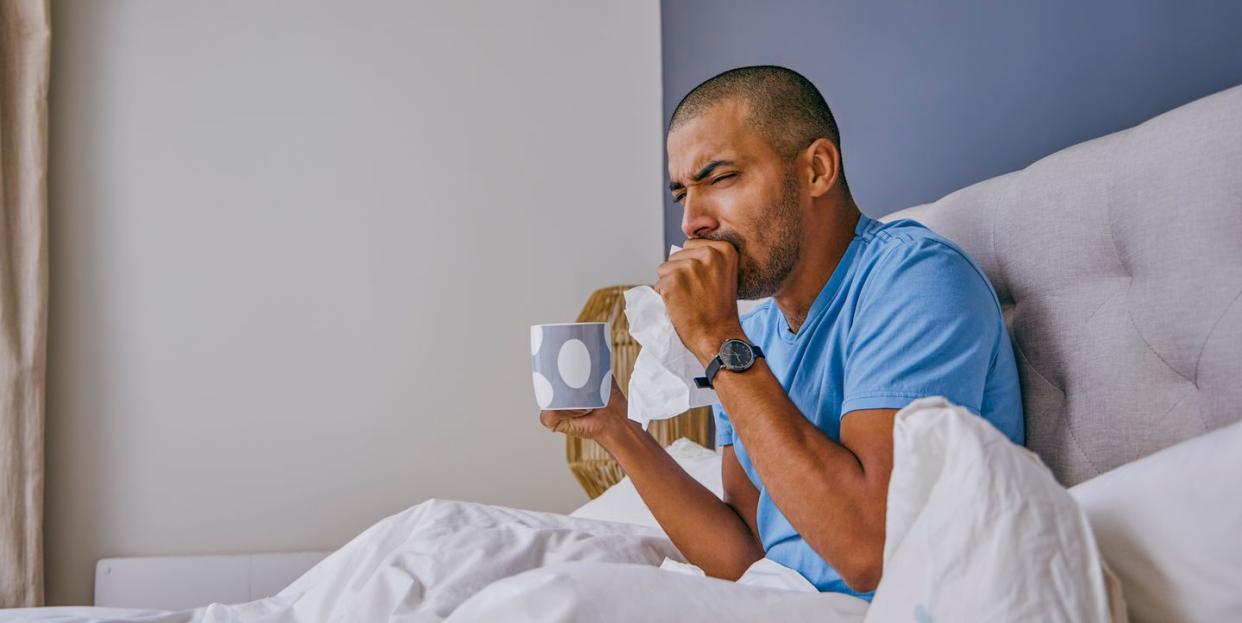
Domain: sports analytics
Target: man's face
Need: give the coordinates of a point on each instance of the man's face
(735, 187)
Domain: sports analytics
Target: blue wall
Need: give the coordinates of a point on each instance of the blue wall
(934, 96)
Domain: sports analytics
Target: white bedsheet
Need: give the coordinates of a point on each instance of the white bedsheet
(421, 564)
(976, 525)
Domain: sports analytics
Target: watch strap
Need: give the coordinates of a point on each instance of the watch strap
(705, 381)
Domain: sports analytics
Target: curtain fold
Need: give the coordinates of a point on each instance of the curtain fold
(25, 52)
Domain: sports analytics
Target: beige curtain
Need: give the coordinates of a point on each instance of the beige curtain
(25, 50)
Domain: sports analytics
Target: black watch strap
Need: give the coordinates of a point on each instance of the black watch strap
(705, 381)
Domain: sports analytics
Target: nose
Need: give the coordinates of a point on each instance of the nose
(696, 218)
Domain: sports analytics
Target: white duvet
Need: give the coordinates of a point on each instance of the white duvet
(977, 527)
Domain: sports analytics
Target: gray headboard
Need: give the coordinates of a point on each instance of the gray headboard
(1119, 266)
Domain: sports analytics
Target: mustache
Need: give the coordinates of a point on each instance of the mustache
(730, 237)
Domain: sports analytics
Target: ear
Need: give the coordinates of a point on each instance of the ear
(825, 166)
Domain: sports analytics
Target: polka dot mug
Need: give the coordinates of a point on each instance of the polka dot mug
(572, 365)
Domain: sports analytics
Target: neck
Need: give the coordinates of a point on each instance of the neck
(822, 247)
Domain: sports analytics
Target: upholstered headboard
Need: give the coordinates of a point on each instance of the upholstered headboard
(1118, 263)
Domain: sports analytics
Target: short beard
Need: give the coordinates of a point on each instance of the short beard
(782, 231)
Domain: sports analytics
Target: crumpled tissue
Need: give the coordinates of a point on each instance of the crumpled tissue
(662, 382)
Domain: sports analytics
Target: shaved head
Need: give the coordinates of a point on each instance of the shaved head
(782, 106)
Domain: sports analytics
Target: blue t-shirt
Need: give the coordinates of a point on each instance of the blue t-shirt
(905, 314)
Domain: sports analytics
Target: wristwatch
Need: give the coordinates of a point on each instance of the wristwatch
(735, 355)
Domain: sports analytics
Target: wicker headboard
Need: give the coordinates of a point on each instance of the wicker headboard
(590, 463)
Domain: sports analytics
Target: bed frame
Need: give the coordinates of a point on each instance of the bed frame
(184, 582)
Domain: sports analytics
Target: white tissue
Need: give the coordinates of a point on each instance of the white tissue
(662, 383)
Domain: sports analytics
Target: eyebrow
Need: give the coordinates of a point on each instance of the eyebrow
(704, 172)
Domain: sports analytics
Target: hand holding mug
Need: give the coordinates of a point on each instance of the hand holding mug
(594, 424)
(572, 376)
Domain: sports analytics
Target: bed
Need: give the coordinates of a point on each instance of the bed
(1119, 266)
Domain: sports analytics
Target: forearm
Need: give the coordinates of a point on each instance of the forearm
(706, 530)
(820, 486)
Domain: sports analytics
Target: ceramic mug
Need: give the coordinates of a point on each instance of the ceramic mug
(572, 364)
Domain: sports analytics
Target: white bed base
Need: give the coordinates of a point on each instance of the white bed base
(184, 582)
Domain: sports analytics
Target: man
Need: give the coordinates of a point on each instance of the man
(863, 318)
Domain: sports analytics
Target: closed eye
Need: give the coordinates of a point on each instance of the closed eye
(679, 197)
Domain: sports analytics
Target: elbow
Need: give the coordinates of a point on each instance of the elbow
(862, 572)
(863, 578)
(731, 571)
(733, 567)
(731, 574)
(863, 565)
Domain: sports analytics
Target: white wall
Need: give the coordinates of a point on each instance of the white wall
(296, 247)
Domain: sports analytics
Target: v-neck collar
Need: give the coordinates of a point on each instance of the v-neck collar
(829, 290)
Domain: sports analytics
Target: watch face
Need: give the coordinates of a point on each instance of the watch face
(736, 355)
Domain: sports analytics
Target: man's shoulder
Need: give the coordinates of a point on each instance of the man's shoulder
(906, 259)
(907, 239)
(908, 248)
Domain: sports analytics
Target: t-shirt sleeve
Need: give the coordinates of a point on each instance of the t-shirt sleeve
(927, 324)
(724, 430)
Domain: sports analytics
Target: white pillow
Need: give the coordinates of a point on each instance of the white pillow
(979, 530)
(1170, 526)
(621, 501)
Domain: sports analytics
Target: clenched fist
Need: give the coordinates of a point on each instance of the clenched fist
(699, 288)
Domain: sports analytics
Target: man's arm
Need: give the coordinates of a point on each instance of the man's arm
(739, 492)
(717, 536)
(834, 495)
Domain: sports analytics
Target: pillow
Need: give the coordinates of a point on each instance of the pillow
(621, 501)
(1168, 526)
(979, 530)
